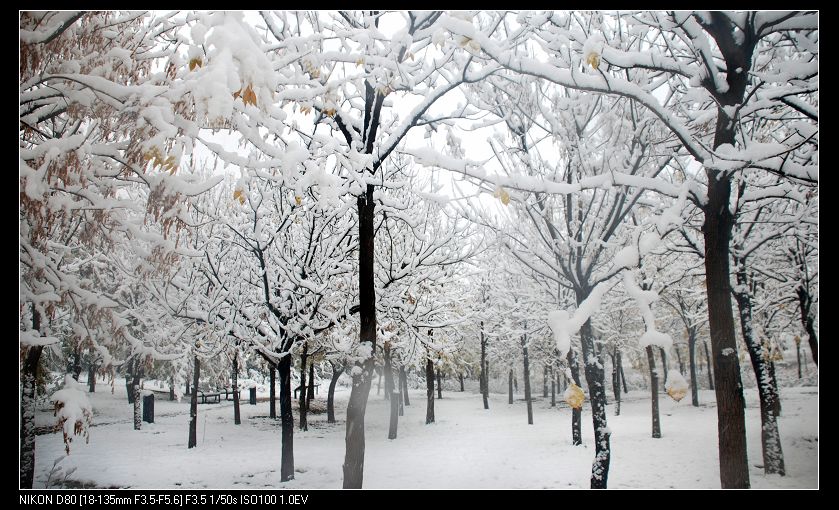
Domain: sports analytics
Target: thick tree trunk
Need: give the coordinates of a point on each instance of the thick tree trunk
(553, 388)
(429, 391)
(484, 374)
(357, 406)
(510, 400)
(272, 391)
(193, 406)
(623, 379)
(808, 321)
(576, 414)
(679, 358)
(286, 416)
(237, 417)
(694, 384)
(708, 366)
(27, 409)
(460, 376)
(129, 386)
(172, 388)
(439, 385)
(527, 396)
(404, 377)
(301, 405)
(596, 385)
(77, 362)
(654, 392)
(390, 392)
(330, 397)
(773, 455)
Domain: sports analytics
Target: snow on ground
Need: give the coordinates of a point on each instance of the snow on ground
(468, 447)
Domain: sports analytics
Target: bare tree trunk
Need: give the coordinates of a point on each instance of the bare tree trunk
(172, 388)
(193, 406)
(616, 382)
(439, 385)
(237, 417)
(379, 384)
(773, 455)
(91, 371)
(429, 391)
(798, 355)
(553, 388)
(286, 415)
(694, 384)
(511, 387)
(302, 408)
(28, 376)
(310, 391)
(390, 392)
(527, 396)
(654, 392)
(272, 391)
(623, 379)
(664, 364)
(404, 377)
(708, 366)
(576, 414)
(679, 358)
(337, 370)
(484, 374)
(138, 411)
(460, 376)
(808, 321)
(595, 379)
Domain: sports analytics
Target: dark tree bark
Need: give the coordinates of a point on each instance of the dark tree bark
(664, 364)
(553, 388)
(129, 382)
(337, 370)
(429, 391)
(527, 396)
(654, 392)
(187, 386)
(694, 384)
(511, 387)
(623, 379)
(286, 415)
(193, 406)
(138, 410)
(460, 376)
(357, 406)
(679, 358)
(272, 391)
(77, 361)
(616, 382)
(484, 372)
(798, 355)
(767, 387)
(310, 391)
(808, 320)
(172, 388)
(708, 366)
(237, 417)
(596, 386)
(301, 405)
(379, 384)
(404, 377)
(576, 414)
(439, 385)
(27, 408)
(390, 393)
(91, 371)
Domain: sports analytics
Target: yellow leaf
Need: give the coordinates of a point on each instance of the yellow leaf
(195, 62)
(359, 62)
(574, 396)
(240, 196)
(593, 59)
(502, 194)
(306, 110)
(329, 111)
(677, 394)
(249, 97)
(298, 199)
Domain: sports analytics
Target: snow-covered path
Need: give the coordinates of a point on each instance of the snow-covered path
(467, 448)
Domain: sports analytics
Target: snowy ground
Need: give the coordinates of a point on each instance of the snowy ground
(467, 448)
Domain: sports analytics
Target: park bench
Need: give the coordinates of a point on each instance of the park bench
(228, 393)
(298, 389)
(208, 398)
